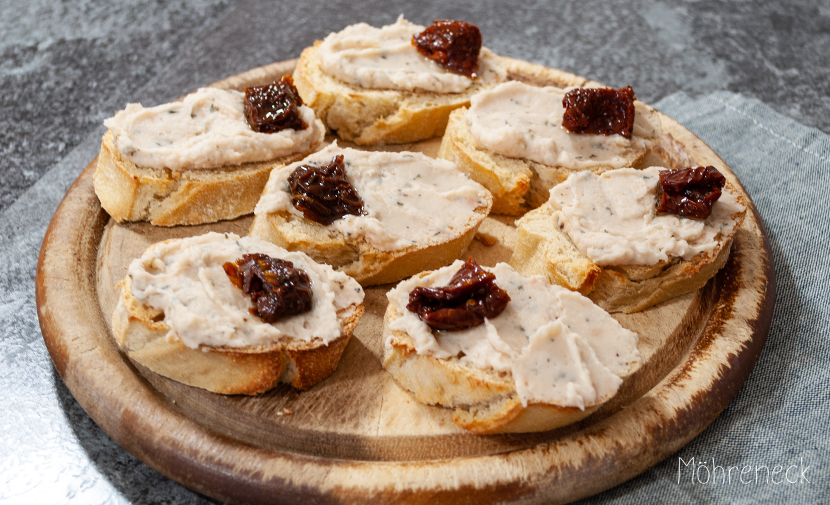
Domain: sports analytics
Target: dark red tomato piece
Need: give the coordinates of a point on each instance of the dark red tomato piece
(452, 44)
(690, 192)
(275, 287)
(471, 296)
(274, 107)
(324, 194)
(600, 111)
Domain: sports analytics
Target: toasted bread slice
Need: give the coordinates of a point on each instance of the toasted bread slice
(487, 400)
(543, 249)
(377, 116)
(517, 184)
(355, 255)
(144, 334)
(357, 258)
(166, 198)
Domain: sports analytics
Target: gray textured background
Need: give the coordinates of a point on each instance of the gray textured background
(66, 66)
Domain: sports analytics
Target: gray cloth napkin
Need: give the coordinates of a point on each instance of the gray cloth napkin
(53, 453)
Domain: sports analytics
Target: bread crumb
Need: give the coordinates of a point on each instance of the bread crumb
(486, 239)
(288, 411)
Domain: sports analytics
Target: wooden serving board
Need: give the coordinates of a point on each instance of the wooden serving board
(357, 436)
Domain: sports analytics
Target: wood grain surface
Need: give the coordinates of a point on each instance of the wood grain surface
(357, 436)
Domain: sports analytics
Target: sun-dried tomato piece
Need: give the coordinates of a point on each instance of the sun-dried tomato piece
(276, 288)
(452, 44)
(274, 107)
(324, 194)
(601, 111)
(471, 296)
(690, 192)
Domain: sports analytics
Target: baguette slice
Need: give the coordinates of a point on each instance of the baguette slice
(377, 116)
(196, 160)
(142, 334)
(543, 249)
(485, 401)
(357, 257)
(517, 184)
(166, 198)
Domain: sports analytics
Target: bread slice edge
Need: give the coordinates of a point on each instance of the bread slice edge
(375, 116)
(542, 249)
(484, 401)
(166, 198)
(366, 263)
(141, 334)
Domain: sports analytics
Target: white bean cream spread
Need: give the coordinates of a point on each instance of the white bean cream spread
(559, 347)
(184, 278)
(409, 199)
(611, 218)
(384, 58)
(207, 129)
(522, 121)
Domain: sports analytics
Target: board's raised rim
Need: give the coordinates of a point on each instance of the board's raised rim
(151, 428)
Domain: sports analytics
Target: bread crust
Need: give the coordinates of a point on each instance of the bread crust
(166, 198)
(141, 333)
(518, 185)
(542, 249)
(375, 116)
(367, 264)
(485, 401)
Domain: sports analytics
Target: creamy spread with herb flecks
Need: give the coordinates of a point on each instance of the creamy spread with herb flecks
(207, 129)
(559, 347)
(522, 121)
(409, 199)
(184, 278)
(384, 58)
(611, 219)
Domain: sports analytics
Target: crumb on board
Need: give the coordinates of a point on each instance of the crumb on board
(486, 239)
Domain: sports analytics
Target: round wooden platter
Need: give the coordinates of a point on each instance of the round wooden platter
(357, 436)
